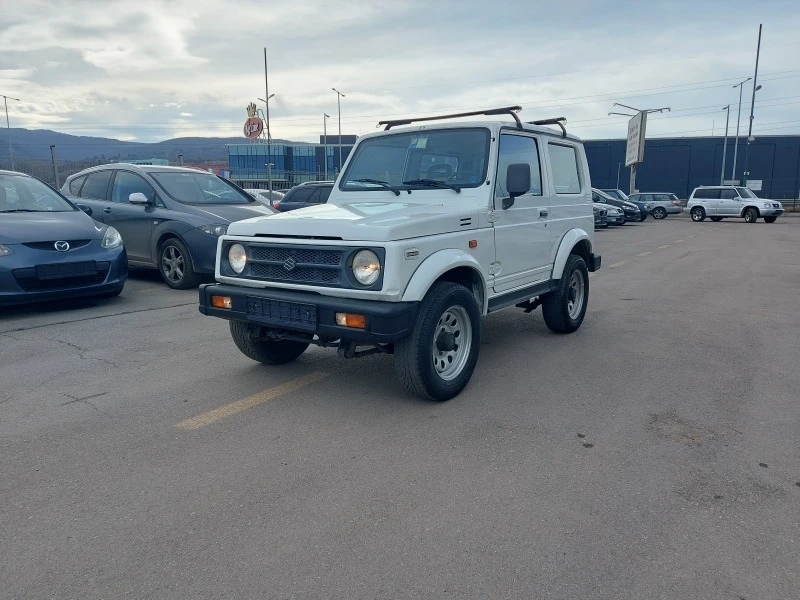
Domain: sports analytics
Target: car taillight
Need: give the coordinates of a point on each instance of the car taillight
(676, 203)
(276, 204)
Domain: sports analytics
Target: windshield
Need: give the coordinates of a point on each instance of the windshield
(26, 194)
(200, 188)
(746, 193)
(418, 160)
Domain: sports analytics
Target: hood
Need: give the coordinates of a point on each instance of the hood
(228, 213)
(369, 221)
(20, 228)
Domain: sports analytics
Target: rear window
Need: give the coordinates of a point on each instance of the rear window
(706, 194)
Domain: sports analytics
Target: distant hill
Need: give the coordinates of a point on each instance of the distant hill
(35, 144)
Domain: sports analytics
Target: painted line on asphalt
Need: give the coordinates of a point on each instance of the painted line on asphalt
(664, 246)
(691, 236)
(618, 264)
(227, 410)
(645, 253)
(679, 241)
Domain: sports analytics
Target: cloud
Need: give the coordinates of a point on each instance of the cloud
(186, 114)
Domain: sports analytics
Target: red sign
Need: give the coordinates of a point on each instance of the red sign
(253, 127)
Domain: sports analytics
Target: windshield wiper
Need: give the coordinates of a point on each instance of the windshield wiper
(434, 183)
(383, 184)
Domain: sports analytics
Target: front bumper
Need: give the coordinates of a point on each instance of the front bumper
(615, 219)
(308, 312)
(633, 216)
(771, 212)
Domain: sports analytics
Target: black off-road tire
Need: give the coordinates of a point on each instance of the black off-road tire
(659, 212)
(770, 219)
(556, 305)
(414, 356)
(750, 215)
(190, 278)
(698, 214)
(264, 351)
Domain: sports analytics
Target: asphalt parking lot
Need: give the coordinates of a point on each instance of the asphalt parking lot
(655, 453)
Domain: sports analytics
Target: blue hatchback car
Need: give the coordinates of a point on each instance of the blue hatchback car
(50, 249)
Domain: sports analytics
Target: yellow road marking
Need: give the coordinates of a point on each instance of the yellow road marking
(645, 253)
(618, 264)
(664, 246)
(212, 416)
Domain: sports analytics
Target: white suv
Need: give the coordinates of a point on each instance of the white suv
(428, 228)
(721, 201)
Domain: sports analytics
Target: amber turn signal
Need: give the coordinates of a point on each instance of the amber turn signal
(473, 243)
(351, 320)
(221, 301)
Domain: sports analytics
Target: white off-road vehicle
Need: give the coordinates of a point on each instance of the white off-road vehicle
(428, 228)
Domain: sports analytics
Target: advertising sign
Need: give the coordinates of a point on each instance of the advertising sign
(254, 126)
(634, 152)
(755, 184)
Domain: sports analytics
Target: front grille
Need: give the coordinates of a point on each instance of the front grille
(281, 254)
(303, 274)
(73, 244)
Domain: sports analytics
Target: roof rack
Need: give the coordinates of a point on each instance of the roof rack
(507, 110)
(555, 121)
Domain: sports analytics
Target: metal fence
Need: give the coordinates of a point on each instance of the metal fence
(260, 178)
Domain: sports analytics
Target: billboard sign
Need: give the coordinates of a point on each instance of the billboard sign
(254, 126)
(755, 184)
(634, 152)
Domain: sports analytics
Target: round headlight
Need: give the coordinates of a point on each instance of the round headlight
(237, 257)
(366, 267)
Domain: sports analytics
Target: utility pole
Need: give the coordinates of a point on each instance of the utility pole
(55, 166)
(642, 133)
(269, 133)
(180, 159)
(339, 96)
(740, 85)
(619, 167)
(8, 126)
(750, 138)
(725, 144)
(325, 117)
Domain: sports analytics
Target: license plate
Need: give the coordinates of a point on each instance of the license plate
(293, 315)
(62, 270)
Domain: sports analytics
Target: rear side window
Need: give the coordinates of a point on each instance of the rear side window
(75, 185)
(564, 162)
(96, 186)
(324, 194)
(706, 194)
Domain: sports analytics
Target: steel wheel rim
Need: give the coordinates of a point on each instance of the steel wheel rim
(575, 295)
(455, 322)
(172, 264)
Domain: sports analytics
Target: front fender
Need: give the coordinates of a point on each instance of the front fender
(568, 242)
(435, 266)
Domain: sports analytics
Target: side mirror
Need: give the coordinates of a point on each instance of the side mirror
(138, 198)
(86, 209)
(518, 182)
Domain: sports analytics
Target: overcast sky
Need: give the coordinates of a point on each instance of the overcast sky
(146, 71)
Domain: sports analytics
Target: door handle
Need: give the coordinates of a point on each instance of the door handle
(543, 212)
(106, 210)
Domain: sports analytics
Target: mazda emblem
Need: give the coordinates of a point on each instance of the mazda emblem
(61, 246)
(289, 264)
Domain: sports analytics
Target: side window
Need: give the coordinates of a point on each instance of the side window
(96, 186)
(642, 197)
(564, 162)
(301, 194)
(324, 194)
(127, 183)
(517, 149)
(314, 197)
(75, 185)
(662, 197)
(706, 194)
(728, 194)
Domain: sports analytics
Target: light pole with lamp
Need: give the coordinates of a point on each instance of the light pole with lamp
(339, 96)
(8, 126)
(740, 85)
(725, 144)
(750, 138)
(325, 117)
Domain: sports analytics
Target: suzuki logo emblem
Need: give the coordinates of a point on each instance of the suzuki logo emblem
(61, 246)
(289, 264)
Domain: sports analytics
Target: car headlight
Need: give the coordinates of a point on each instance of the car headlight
(767, 204)
(366, 267)
(237, 257)
(111, 238)
(216, 230)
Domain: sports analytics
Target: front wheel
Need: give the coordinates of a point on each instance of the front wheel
(564, 308)
(698, 214)
(269, 352)
(437, 360)
(176, 265)
(659, 212)
(769, 219)
(750, 215)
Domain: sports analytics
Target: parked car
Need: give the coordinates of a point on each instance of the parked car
(724, 201)
(403, 262)
(661, 204)
(631, 211)
(264, 196)
(644, 207)
(305, 194)
(614, 214)
(50, 249)
(169, 217)
(600, 217)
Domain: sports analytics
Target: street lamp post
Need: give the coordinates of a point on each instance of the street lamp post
(725, 144)
(740, 85)
(746, 173)
(325, 117)
(339, 96)
(8, 126)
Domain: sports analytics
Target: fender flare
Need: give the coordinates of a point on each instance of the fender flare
(746, 206)
(436, 265)
(169, 229)
(568, 242)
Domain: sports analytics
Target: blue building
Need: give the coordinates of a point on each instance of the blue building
(679, 165)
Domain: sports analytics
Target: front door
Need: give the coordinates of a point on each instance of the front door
(133, 221)
(521, 233)
(730, 205)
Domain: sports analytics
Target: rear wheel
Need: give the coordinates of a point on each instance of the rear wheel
(698, 214)
(659, 212)
(750, 215)
(564, 308)
(269, 352)
(769, 219)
